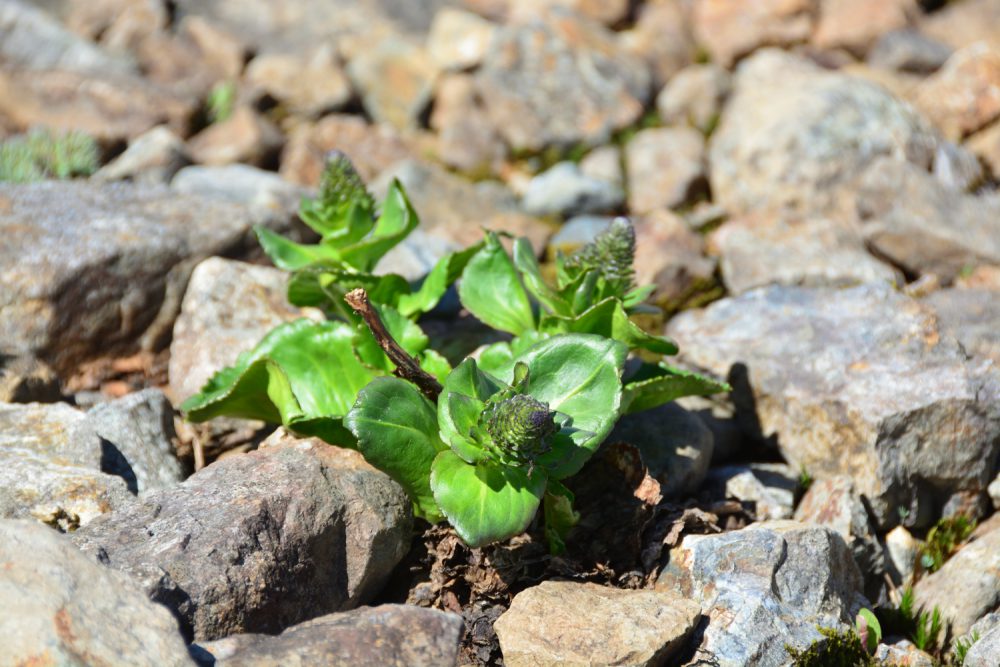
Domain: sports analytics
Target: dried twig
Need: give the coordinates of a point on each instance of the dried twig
(407, 367)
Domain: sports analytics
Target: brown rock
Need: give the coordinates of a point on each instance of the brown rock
(568, 623)
(372, 148)
(986, 145)
(395, 80)
(671, 256)
(964, 95)
(959, 24)
(608, 12)
(117, 25)
(309, 84)
(459, 39)
(662, 38)
(665, 167)
(694, 97)
(731, 30)
(466, 139)
(854, 25)
(246, 136)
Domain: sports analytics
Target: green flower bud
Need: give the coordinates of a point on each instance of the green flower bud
(519, 427)
(611, 254)
(341, 186)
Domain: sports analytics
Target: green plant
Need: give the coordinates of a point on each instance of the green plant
(923, 628)
(961, 647)
(484, 445)
(835, 649)
(221, 101)
(44, 154)
(805, 479)
(943, 540)
(868, 629)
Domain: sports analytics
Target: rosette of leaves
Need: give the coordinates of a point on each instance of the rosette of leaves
(495, 447)
(594, 293)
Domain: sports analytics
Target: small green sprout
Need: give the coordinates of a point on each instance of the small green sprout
(221, 101)
(42, 154)
(835, 649)
(943, 540)
(961, 647)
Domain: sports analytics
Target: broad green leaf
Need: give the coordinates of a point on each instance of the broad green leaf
(655, 385)
(336, 225)
(445, 272)
(434, 363)
(873, 629)
(491, 290)
(398, 219)
(531, 274)
(289, 255)
(301, 372)
(559, 515)
(578, 375)
(396, 429)
(325, 286)
(485, 502)
(498, 359)
(468, 381)
(637, 295)
(408, 334)
(608, 318)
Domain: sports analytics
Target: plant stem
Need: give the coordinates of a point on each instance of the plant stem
(407, 367)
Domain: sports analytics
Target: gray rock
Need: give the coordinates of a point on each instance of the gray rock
(25, 379)
(985, 651)
(33, 39)
(99, 269)
(665, 167)
(919, 224)
(415, 256)
(770, 486)
(578, 232)
(260, 541)
(967, 586)
(390, 634)
(140, 426)
(765, 587)
(694, 96)
(61, 608)
(675, 446)
(793, 134)
(459, 39)
(957, 168)
(719, 414)
(599, 86)
(569, 623)
(228, 307)
(833, 502)
(788, 249)
(972, 316)
(51, 467)
(564, 190)
(273, 200)
(908, 50)
(152, 158)
(859, 382)
(605, 164)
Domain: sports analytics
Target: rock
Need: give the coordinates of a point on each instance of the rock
(193, 57)
(372, 148)
(260, 541)
(576, 233)
(459, 39)
(902, 654)
(391, 634)
(676, 446)
(395, 80)
(986, 145)
(662, 39)
(908, 50)
(665, 167)
(694, 96)
(765, 587)
(833, 502)
(731, 30)
(794, 134)
(25, 379)
(994, 490)
(605, 164)
(911, 219)
(718, 414)
(957, 168)
(98, 269)
(65, 609)
(967, 586)
(964, 95)
(568, 623)
(671, 256)
(985, 650)
(246, 136)
(108, 106)
(902, 549)
(466, 138)
(273, 200)
(140, 426)
(854, 25)
(152, 158)
(564, 190)
(455, 209)
(600, 87)
(51, 467)
(608, 12)
(761, 249)
(981, 277)
(307, 84)
(972, 316)
(770, 487)
(415, 256)
(31, 38)
(228, 307)
(859, 382)
(116, 25)
(959, 24)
